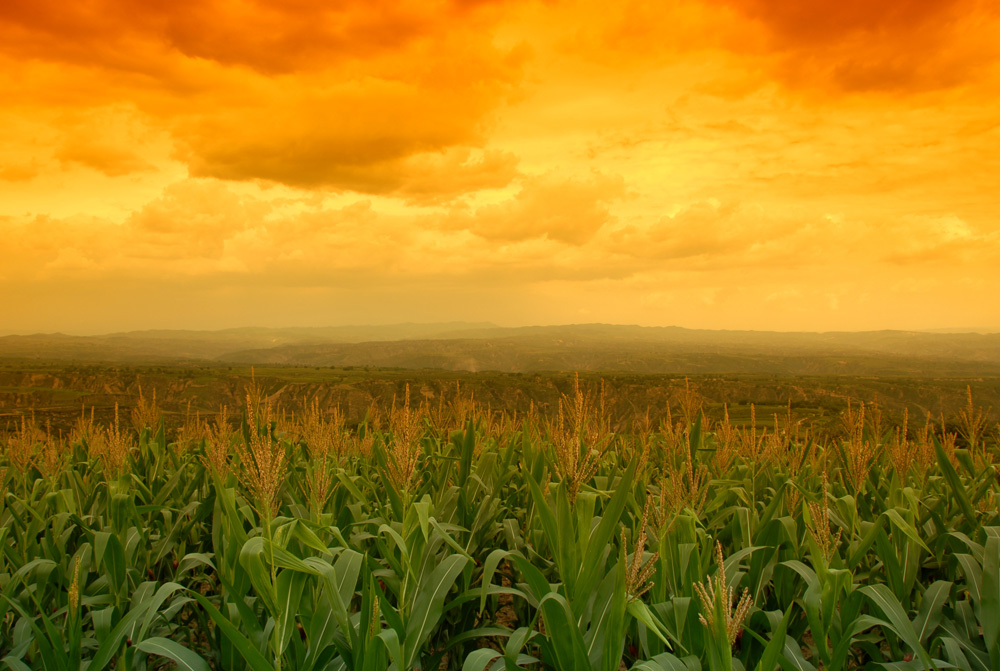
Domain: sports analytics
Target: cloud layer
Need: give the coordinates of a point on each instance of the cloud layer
(720, 163)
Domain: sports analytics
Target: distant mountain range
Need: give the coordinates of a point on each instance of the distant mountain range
(484, 346)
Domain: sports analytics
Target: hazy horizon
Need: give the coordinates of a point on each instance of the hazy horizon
(461, 324)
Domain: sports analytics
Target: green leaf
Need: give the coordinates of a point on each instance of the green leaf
(108, 548)
(251, 655)
(640, 611)
(290, 585)
(931, 609)
(449, 541)
(489, 568)
(186, 660)
(955, 483)
(347, 569)
(254, 562)
(602, 535)
(898, 622)
(423, 509)
(774, 647)
(478, 660)
(545, 513)
(391, 642)
(916, 665)
(468, 448)
(153, 609)
(667, 662)
(15, 664)
(792, 658)
(111, 645)
(897, 521)
(990, 605)
(428, 606)
(563, 635)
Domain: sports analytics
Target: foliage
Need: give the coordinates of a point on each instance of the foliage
(455, 538)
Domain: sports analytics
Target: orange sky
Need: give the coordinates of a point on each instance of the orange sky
(809, 165)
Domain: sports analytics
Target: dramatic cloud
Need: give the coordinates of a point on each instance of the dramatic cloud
(269, 37)
(863, 46)
(718, 163)
(348, 96)
(832, 46)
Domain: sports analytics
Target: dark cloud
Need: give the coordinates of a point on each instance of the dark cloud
(814, 23)
(891, 45)
(269, 36)
(377, 97)
(113, 161)
(19, 172)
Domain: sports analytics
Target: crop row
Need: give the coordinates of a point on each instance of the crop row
(483, 542)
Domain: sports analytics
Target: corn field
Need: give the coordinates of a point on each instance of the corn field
(458, 538)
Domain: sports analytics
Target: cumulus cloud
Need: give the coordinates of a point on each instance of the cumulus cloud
(204, 240)
(948, 239)
(713, 235)
(716, 232)
(555, 227)
(568, 210)
(193, 220)
(208, 228)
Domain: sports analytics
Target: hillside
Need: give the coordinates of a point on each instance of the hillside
(479, 347)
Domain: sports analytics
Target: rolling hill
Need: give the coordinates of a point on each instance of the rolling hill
(487, 347)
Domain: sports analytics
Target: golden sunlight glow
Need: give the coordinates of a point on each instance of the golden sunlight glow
(812, 165)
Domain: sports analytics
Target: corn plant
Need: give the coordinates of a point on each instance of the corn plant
(443, 538)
